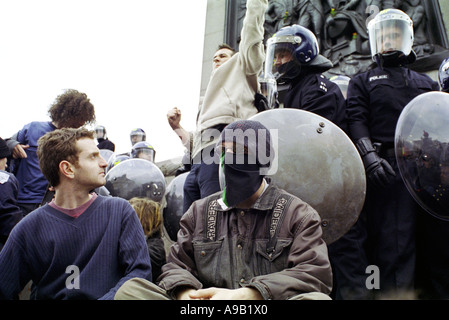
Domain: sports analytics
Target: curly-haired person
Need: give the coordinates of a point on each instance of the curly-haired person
(71, 109)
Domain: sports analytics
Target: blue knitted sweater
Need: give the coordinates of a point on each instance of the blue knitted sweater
(105, 246)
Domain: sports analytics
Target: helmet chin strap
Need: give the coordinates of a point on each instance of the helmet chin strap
(394, 59)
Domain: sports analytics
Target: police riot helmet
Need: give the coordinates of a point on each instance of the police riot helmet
(115, 159)
(301, 44)
(143, 150)
(443, 75)
(137, 135)
(391, 33)
(100, 132)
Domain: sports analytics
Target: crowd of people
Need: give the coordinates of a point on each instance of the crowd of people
(240, 238)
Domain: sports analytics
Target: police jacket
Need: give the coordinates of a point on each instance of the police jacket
(105, 144)
(275, 247)
(377, 97)
(313, 92)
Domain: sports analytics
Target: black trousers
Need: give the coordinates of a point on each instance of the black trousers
(383, 237)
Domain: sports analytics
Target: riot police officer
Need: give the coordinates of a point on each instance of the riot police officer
(384, 235)
(443, 75)
(143, 150)
(293, 58)
(102, 138)
(137, 135)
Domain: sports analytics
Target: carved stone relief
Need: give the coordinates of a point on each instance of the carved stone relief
(340, 27)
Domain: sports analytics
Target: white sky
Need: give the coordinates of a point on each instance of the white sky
(135, 59)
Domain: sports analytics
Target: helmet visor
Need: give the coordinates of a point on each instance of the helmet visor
(280, 51)
(390, 33)
(145, 153)
(100, 134)
(137, 137)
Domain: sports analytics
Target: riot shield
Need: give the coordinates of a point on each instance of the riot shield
(136, 178)
(317, 162)
(422, 153)
(173, 211)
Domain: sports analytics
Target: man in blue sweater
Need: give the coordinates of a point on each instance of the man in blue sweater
(80, 245)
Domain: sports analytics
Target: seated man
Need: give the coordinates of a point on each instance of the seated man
(250, 241)
(80, 245)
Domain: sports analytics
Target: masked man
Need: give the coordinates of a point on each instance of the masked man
(250, 241)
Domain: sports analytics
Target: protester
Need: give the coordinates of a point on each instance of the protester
(80, 245)
(230, 96)
(150, 217)
(250, 241)
(72, 109)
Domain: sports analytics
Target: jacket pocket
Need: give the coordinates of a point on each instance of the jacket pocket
(275, 261)
(424, 86)
(208, 258)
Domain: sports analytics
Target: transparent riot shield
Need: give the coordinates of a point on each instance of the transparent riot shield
(317, 162)
(173, 211)
(136, 178)
(422, 153)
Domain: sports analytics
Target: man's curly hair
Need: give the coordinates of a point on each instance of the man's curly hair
(72, 109)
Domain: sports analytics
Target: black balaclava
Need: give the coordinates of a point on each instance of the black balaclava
(242, 170)
(241, 180)
(395, 59)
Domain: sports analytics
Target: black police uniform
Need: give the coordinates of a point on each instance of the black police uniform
(105, 144)
(315, 93)
(10, 212)
(384, 235)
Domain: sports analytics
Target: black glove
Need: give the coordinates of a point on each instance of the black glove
(260, 102)
(378, 170)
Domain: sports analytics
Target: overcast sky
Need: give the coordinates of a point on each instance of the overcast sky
(135, 59)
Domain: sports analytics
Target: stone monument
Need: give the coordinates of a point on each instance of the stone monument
(341, 28)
